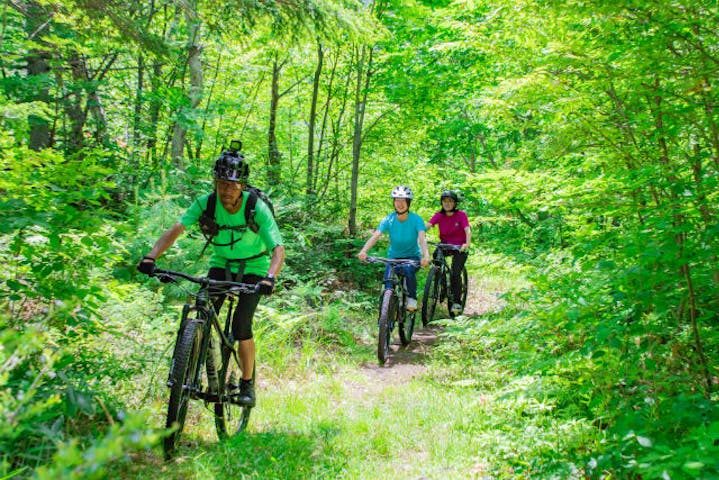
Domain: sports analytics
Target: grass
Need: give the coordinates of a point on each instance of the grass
(326, 410)
(343, 426)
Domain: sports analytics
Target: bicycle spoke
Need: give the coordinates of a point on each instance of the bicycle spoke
(230, 416)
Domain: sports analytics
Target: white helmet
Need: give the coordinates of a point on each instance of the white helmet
(402, 192)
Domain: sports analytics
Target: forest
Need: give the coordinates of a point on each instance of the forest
(583, 135)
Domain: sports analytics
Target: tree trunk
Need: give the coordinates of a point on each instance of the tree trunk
(154, 114)
(488, 153)
(218, 65)
(94, 103)
(273, 153)
(81, 98)
(323, 127)
(38, 66)
(139, 100)
(156, 103)
(361, 89)
(310, 187)
(194, 94)
(73, 105)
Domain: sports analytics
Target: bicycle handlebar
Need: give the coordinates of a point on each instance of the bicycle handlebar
(394, 261)
(446, 246)
(233, 287)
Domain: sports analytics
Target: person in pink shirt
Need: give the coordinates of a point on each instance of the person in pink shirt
(453, 229)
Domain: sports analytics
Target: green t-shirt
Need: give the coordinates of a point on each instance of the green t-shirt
(247, 243)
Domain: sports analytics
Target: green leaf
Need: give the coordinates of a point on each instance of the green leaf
(14, 285)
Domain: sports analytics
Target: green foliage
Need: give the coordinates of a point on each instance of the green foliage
(583, 135)
(57, 375)
(52, 219)
(594, 352)
(687, 448)
(28, 407)
(330, 264)
(308, 323)
(74, 461)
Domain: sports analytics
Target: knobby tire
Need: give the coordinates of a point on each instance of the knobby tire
(431, 292)
(387, 311)
(186, 361)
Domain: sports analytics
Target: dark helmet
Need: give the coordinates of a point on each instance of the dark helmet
(450, 194)
(231, 166)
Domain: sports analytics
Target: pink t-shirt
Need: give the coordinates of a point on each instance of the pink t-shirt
(451, 228)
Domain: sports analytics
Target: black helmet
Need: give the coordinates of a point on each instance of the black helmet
(231, 165)
(449, 194)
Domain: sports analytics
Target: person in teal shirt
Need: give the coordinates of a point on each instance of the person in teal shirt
(407, 240)
(239, 253)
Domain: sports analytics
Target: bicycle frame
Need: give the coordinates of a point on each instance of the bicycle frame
(208, 318)
(396, 278)
(437, 287)
(196, 351)
(439, 259)
(393, 303)
(398, 285)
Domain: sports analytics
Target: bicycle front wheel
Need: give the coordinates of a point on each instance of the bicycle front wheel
(431, 294)
(184, 369)
(387, 312)
(230, 416)
(405, 321)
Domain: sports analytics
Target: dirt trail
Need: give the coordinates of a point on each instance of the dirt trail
(408, 362)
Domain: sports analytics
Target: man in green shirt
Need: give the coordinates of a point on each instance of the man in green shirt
(239, 253)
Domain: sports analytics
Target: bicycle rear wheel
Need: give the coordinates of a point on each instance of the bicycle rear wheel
(431, 293)
(184, 369)
(387, 312)
(465, 287)
(230, 416)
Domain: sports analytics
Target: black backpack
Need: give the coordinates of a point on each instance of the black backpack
(210, 228)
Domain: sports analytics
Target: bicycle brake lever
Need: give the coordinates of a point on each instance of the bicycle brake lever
(165, 278)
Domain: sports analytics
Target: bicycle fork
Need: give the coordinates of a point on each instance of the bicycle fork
(207, 352)
(400, 305)
(395, 310)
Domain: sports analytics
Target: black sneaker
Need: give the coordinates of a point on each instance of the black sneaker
(247, 393)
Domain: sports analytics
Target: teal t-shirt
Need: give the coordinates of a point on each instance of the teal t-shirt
(247, 243)
(402, 235)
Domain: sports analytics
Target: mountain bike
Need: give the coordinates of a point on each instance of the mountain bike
(437, 287)
(393, 306)
(205, 363)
